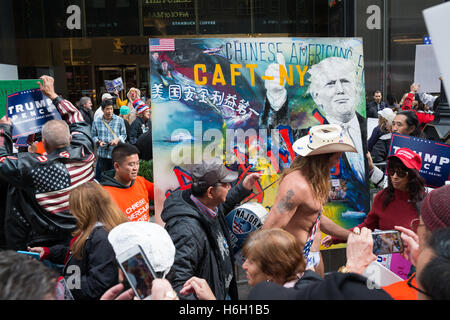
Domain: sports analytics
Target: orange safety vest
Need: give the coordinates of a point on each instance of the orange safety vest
(401, 291)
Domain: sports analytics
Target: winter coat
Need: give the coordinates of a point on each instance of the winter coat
(335, 286)
(197, 252)
(97, 271)
(37, 212)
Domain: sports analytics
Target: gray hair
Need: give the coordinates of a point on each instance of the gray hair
(23, 278)
(56, 133)
(332, 63)
(84, 100)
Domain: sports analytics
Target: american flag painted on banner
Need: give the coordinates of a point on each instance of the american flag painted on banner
(162, 45)
(53, 183)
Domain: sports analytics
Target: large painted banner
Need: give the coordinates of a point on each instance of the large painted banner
(247, 101)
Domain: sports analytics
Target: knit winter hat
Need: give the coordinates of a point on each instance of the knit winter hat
(124, 110)
(435, 208)
(139, 106)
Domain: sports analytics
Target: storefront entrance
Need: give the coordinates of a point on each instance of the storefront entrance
(128, 74)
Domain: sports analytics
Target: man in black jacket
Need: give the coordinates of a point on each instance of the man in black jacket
(375, 105)
(195, 220)
(86, 109)
(37, 209)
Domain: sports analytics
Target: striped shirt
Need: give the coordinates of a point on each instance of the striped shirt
(207, 211)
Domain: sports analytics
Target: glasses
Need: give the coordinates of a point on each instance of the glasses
(223, 184)
(415, 224)
(409, 283)
(401, 173)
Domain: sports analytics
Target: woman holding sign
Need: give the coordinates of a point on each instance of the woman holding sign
(395, 205)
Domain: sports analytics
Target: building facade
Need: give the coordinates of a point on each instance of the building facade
(84, 42)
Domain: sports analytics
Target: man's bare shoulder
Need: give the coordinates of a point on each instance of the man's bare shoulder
(296, 181)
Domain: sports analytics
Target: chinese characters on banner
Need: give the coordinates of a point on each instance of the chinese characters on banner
(247, 101)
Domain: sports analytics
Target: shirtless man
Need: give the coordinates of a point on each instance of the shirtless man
(305, 186)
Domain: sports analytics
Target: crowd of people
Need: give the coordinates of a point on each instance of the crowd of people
(79, 219)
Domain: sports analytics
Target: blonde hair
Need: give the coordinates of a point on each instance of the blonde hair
(316, 169)
(90, 203)
(276, 252)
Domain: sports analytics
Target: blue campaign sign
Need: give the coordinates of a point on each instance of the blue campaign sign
(435, 157)
(112, 85)
(29, 110)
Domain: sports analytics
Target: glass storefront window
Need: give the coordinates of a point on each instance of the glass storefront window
(112, 18)
(45, 18)
(224, 17)
(121, 29)
(406, 30)
(166, 17)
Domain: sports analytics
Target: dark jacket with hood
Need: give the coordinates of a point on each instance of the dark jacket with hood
(33, 177)
(92, 275)
(197, 253)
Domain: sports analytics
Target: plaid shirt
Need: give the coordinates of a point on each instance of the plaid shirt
(101, 132)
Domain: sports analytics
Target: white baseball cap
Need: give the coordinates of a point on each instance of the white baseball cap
(106, 96)
(388, 114)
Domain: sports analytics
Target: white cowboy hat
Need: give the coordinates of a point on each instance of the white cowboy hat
(327, 138)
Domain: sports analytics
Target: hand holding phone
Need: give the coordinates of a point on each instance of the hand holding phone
(33, 255)
(387, 242)
(138, 271)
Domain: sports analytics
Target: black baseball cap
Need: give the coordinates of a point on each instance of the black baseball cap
(212, 171)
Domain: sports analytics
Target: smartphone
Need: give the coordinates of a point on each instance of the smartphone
(138, 271)
(33, 255)
(387, 242)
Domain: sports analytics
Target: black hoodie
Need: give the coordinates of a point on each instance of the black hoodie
(194, 236)
(108, 180)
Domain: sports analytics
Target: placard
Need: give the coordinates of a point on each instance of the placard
(426, 70)
(435, 157)
(437, 22)
(112, 85)
(29, 110)
(11, 86)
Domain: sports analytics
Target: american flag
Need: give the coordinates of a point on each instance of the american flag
(55, 182)
(310, 240)
(162, 45)
(237, 228)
